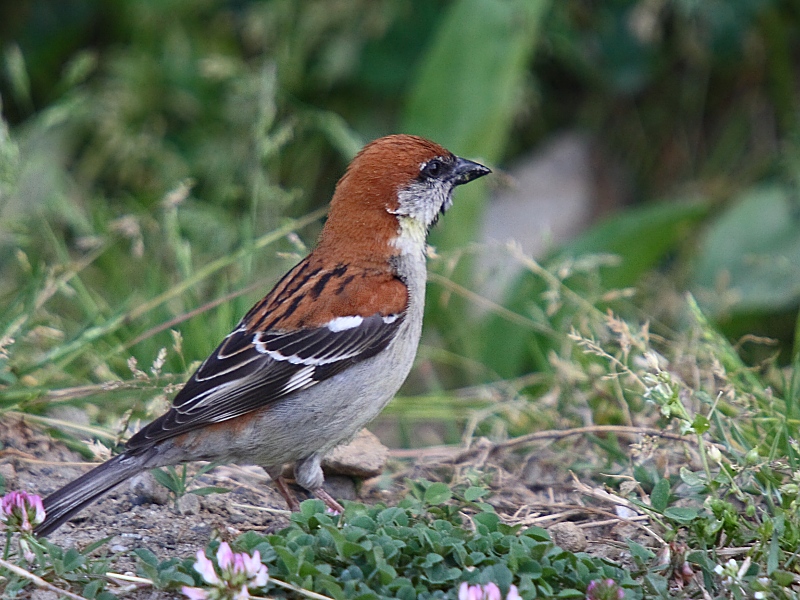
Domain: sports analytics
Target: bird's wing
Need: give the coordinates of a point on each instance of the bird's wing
(250, 370)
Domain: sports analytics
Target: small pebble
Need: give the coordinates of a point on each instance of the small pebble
(568, 536)
(145, 486)
(188, 504)
(9, 473)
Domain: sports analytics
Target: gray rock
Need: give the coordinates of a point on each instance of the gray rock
(9, 474)
(364, 457)
(188, 504)
(146, 487)
(568, 536)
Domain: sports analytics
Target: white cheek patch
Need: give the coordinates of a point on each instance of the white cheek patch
(422, 201)
(344, 323)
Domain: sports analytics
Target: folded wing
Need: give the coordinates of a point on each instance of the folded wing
(250, 370)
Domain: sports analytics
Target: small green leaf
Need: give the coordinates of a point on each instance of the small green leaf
(537, 533)
(90, 590)
(406, 592)
(210, 489)
(437, 493)
(146, 556)
(169, 481)
(472, 493)
(311, 507)
(290, 561)
(432, 559)
(364, 522)
(783, 578)
(532, 568)
(701, 424)
(488, 520)
(499, 574)
(441, 573)
(699, 557)
(95, 545)
(172, 575)
(681, 514)
(691, 478)
(641, 554)
(657, 584)
(350, 549)
(659, 497)
(73, 559)
(774, 554)
(249, 540)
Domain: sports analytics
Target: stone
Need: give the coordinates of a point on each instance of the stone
(145, 486)
(188, 504)
(9, 475)
(364, 457)
(568, 536)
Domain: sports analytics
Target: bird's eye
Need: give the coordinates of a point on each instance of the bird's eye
(432, 168)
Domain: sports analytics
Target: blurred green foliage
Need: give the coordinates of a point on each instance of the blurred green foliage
(148, 146)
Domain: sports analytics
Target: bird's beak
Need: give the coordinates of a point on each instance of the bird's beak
(466, 170)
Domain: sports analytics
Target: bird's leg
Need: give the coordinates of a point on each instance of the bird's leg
(328, 500)
(287, 494)
(283, 487)
(308, 473)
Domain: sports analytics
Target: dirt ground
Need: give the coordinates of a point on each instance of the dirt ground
(533, 489)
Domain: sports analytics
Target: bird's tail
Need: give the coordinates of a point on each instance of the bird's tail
(73, 497)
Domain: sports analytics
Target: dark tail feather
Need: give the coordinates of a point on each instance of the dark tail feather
(73, 497)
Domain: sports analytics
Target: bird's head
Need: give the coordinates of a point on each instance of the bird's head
(396, 188)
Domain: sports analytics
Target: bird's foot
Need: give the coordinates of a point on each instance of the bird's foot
(288, 495)
(332, 504)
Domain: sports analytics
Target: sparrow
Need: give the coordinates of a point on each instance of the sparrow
(323, 353)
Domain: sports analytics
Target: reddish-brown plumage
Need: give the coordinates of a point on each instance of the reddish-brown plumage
(361, 230)
(313, 294)
(349, 272)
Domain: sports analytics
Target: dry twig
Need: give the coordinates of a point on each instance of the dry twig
(38, 581)
(459, 452)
